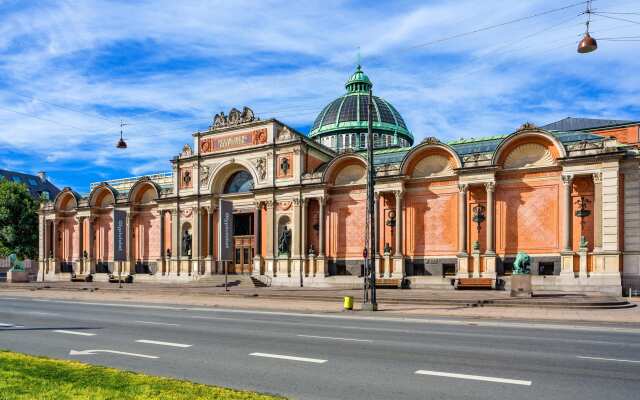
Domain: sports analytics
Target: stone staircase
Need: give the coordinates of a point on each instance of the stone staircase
(244, 281)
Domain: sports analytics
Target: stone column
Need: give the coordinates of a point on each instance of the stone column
(81, 260)
(566, 267)
(303, 230)
(210, 233)
(597, 212)
(462, 219)
(463, 260)
(490, 187)
(568, 215)
(270, 262)
(399, 226)
(321, 236)
(196, 242)
(162, 232)
(321, 265)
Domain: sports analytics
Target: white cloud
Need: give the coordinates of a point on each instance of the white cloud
(286, 60)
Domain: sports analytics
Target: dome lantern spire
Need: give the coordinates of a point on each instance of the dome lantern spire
(358, 82)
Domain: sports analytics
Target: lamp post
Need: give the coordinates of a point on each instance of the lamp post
(370, 302)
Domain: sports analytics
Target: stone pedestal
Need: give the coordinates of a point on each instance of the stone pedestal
(283, 266)
(322, 267)
(17, 276)
(521, 285)
(476, 263)
(583, 262)
(566, 268)
(489, 266)
(257, 266)
(463, 266)
(398, 267)
(387, 266)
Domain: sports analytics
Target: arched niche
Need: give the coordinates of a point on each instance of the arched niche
(144, 192)
(346, 170)
(102, 196)
(533, 149)
(67, 200)
(431, 161)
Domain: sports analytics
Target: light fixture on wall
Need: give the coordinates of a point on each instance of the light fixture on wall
(478, 218)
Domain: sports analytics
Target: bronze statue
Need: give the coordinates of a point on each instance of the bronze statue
(284, 243)
(521, 264)
(186, 244)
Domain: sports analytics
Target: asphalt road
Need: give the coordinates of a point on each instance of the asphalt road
(333, 356)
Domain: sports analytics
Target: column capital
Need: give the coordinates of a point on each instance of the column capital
(270, 204)
(399, 194)
(597, 177)
(567, 179)
(490, 186)
(463, 187)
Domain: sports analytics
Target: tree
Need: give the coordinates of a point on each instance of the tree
(18, 221)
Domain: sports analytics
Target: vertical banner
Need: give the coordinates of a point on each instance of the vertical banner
(225, 238)
(119, 235)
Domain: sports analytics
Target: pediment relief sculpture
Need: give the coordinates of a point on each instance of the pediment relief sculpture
(434, 165)
(529, 155)
(351, 175)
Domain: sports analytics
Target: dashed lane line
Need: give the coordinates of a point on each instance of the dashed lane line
(156, 323)
(290, 358)
(609, 359)
(147, 341)
(474, 377)
(74, 332)
(336, 338)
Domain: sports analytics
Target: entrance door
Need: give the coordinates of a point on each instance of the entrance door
(243, 254)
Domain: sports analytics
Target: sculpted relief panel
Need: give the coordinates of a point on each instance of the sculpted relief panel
(529, 155)
(434, 165)
(351, 175)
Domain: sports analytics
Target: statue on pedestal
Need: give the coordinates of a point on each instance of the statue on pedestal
(521, 264)
(284, 242)
(186, 244)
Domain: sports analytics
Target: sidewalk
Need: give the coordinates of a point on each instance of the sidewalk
(407, 303)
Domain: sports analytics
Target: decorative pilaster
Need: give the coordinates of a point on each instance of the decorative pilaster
(566, 267)
(321, 236)
(462, 219)
(568, 215)
(490, 187)
(597, 212)
(399, 223)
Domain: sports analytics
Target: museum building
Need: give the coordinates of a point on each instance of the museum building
(448, 214)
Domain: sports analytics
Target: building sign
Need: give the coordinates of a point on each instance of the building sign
(225, 245)
(119, 235)
(222, 143)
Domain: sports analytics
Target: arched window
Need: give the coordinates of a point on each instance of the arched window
(239, 182)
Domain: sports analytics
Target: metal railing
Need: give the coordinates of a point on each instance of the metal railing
(124, 184)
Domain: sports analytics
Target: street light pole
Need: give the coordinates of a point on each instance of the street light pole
(370, 256)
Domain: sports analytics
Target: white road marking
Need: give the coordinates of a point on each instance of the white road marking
(163, 343)
(75, 332)
(43, 300)
(48, 314)
(608, 359)
(156, 323)
(5, 325)
(336, 338)
(474, 377)
(518, 325)
(92, 352)
(290, 358)
(8, 298)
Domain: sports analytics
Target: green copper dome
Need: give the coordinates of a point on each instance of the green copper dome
(348, 115)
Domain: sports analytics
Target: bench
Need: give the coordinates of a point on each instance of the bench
(388, 283)
(81, 278)
(475, 283)
(124, 279)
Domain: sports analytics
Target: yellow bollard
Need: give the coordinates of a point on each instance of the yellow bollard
(348, 303)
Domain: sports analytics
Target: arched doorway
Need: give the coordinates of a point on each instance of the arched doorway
(239, 183)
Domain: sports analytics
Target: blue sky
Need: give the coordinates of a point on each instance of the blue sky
(71, 70)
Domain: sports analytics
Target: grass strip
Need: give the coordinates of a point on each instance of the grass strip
(28, 377)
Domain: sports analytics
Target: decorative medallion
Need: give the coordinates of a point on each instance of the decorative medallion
(284, 205)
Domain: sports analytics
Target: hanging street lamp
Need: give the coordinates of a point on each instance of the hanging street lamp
(121, 143)
(587, 44)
